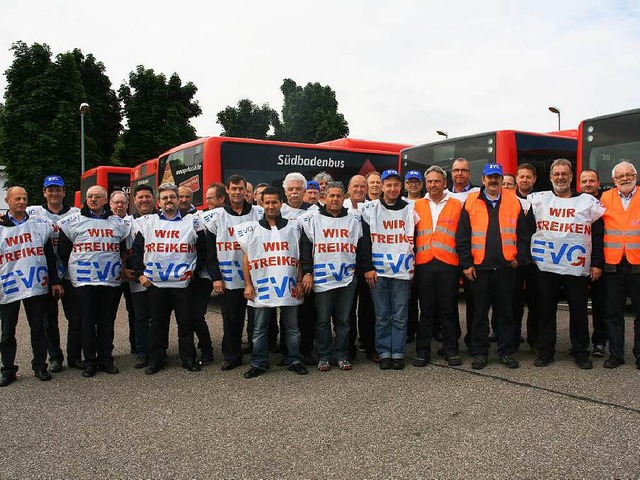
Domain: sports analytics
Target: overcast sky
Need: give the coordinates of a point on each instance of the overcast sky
(401, 69)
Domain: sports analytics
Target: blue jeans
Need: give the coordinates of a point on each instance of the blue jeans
(334, 303)
(391, 303)
(288, 318)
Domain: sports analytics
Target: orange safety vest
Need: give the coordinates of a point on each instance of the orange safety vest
(510, 209)
(621, 228)
(440, 243)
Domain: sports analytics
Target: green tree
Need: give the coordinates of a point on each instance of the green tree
(158, 114)
(310, 114)
(248, 120)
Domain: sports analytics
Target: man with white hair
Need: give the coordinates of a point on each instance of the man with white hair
(622, 259)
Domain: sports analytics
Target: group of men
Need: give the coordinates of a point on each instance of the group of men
(337, 266)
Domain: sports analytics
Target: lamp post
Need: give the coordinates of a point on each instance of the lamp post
(84, 108)
(442, 133)
(557, 112)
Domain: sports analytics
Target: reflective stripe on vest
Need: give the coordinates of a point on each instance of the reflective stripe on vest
(440, 242)
(621, 232)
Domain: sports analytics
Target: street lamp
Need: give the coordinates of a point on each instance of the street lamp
(442, 133)
(557, 112)
(84, 108)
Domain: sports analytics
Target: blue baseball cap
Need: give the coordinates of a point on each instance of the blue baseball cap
(492, 169)
(53, 181)
(390, 173)
(413, 174)
(313, 185)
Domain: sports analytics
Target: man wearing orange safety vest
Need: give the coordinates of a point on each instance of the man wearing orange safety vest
(491, 242)
(622, 259)
(436, 270)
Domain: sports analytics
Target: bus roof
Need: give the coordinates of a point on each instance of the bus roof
(366, 144)
(634, 111)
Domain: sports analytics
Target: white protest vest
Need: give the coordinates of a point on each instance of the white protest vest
(169, 249)
(291, 213)
(391, 239)
(222, 224)
(273, 256)
(23, 266)
(95, 258)
(335, 241)
(562, 242)
(39, 210)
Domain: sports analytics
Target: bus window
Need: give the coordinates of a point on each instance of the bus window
(540, 151)
(184, 169)
(86, 183)
(118, 181)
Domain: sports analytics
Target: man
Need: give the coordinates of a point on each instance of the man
(491, 241)
(90, 247)
(201, 288)
(28, 268)
(437, 273)
(357, 190)
(322, 178)
(225, 260)
(525, 179)
(143, 200)
(622, 259)
(590, 184)
(257, 194)
(388, 224)
(294, 185)
(413, 183)
(461, 179)
(54, 209)
(119, 204)
(566, 247)
(330, 240)
(216, 195)
(271, 276)
(509, 181)
(312, 193)
(374, 185)
(167, 251)
(248, 195)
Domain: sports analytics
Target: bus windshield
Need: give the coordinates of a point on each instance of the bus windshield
(606, 141)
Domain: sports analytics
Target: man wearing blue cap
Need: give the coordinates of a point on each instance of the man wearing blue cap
(54, 209)
(312, 194)
(491, 242)
(388, 225)
(413, 183)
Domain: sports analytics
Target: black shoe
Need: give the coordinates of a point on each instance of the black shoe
(613, 362)
(109, 368)
(373, 356)
(254, 372)
(479, 362)
(42, 374)
(141, 362)
(598, 351)
(385, 363)
(509, 362)
(397, 363)
(191, 366)
(309, 360)
(542, 362)
(454, 360)
(585, 364)
(226, 366)
(55, 366)
(90, 371)
(420, 362)
(151, 369)
(298, 368)
(75, 363)
(207, 359)
(8, 378)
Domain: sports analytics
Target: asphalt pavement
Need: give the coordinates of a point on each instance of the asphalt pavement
(433, 422)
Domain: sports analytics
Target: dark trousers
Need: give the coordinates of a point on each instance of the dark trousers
(363, 318)
(143, 320)
(52, 330)
(131, 316)
(575, 290)
(413, 320)
(34, 308)
(161, 302)
(598, 294)
(437, 284)
(618, 285)
(202, 288)
(233, 305)
(493, 287)
(251, 324)
(98, 308)
(307, 323)
(525, 292)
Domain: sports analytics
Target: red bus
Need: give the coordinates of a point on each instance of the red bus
(212, 159)
(509, 148)
(607, 140)
(109, 177)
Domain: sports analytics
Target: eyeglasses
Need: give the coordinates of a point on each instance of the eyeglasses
(170, 197)
(460, 170)
(624, 176)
